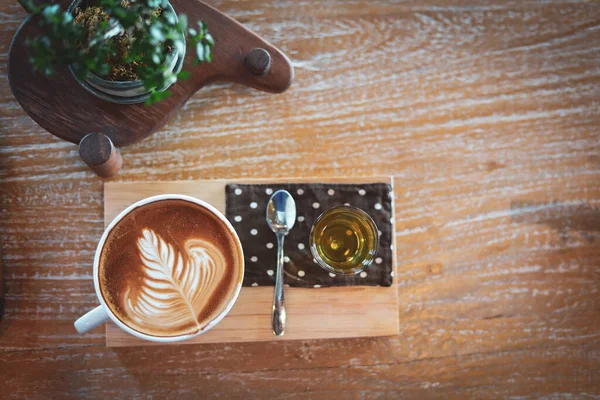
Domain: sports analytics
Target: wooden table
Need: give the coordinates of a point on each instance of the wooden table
(488, 115)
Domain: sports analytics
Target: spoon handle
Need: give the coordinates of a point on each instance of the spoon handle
(279, 317)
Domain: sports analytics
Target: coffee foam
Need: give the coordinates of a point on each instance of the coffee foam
(169, 268)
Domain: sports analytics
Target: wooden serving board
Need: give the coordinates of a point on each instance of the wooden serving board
(312, 313)
(62, 107)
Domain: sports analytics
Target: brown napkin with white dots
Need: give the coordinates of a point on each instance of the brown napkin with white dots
(246, 208)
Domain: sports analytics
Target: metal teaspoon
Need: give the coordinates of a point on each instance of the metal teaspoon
(281, 216)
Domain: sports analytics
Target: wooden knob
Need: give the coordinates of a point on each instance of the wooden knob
(99, 153)
(258, 62)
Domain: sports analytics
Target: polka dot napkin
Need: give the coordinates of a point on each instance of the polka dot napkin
(246, 207)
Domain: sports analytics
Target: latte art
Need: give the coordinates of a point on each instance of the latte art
(170, 268)
(176, 285)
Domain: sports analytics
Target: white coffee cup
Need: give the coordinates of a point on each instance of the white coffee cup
(103, 313)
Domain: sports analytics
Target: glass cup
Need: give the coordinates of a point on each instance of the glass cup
(344, 240)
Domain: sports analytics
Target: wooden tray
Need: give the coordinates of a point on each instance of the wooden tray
(312, 313)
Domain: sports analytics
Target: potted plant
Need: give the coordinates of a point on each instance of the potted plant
(123, 51)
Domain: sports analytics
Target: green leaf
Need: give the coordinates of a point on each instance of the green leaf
(183, 75)
(67, 18)
(156, 96)
(157, 33)
(207, 53)
(153, 3)
(179, 45)
(103, 70)
(182, 22)
(170, 18)
(50, 11)
(149, 101)
(120, 13)
(30, 6)
(200, 51)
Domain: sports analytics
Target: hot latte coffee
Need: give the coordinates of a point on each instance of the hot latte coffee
(169, 268)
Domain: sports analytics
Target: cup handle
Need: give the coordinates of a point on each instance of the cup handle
(91, 320)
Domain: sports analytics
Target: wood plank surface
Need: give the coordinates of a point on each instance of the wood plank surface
(324, 313)
(487, 114)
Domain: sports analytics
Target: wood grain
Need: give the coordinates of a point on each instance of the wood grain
(487, 115)
(323, 313)
(61, 106)
(1, 285)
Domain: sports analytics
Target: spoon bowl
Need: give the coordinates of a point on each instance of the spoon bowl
(281, 212)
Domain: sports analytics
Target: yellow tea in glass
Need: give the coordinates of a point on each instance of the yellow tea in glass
(344, 240)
